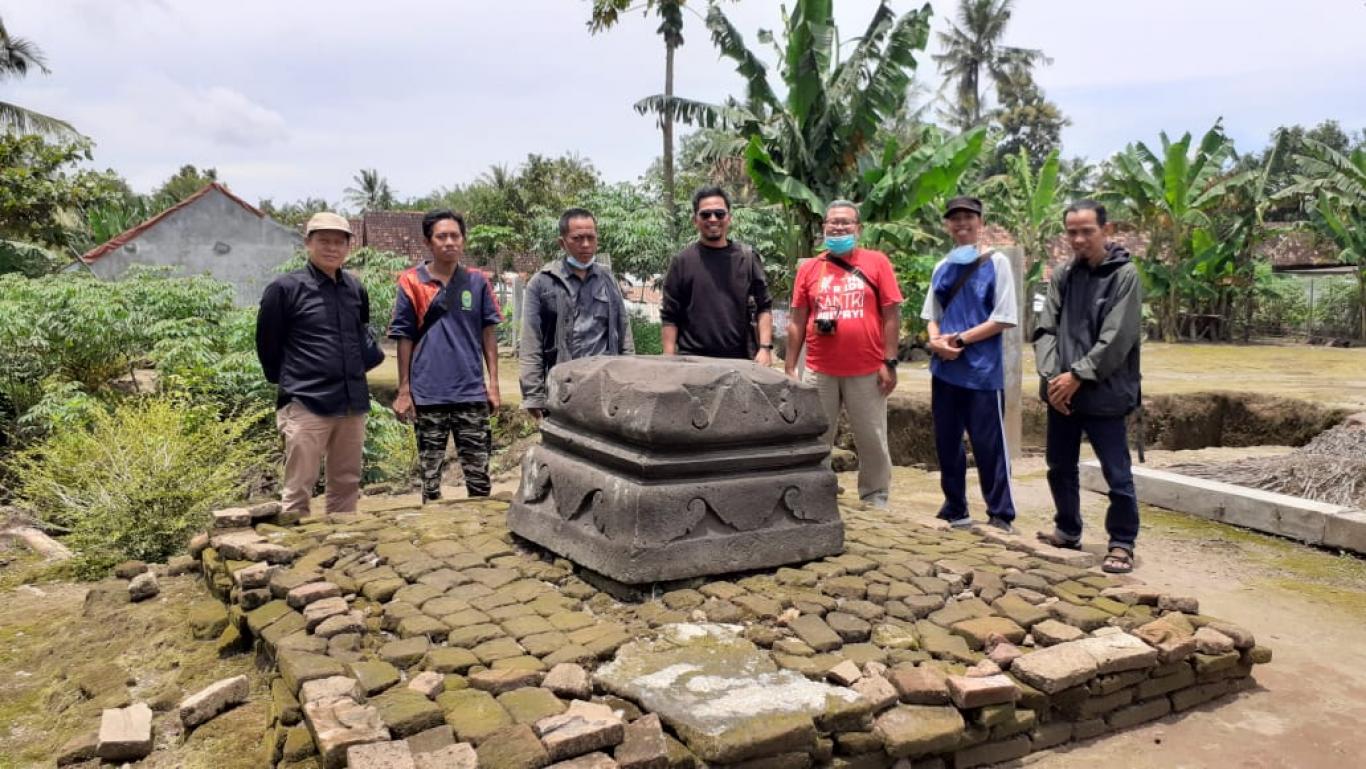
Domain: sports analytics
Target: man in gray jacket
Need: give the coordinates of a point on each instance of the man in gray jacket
(1086, 349)
(572, 308)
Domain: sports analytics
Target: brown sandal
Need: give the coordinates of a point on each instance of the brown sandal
(1056, 539)
(1123, 563)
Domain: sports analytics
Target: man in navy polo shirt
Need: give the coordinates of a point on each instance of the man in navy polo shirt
(445, 321)
(970, 302)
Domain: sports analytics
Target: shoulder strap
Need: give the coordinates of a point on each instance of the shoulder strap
(460, 280)
(852, 270)
(749, 256)
(962, 281)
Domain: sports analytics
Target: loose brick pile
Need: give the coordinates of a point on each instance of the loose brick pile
(423, 637)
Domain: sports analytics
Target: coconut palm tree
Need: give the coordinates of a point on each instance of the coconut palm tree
(17, 56)
(972, 47)
(826, 137)
(605, 15)
(371, 193)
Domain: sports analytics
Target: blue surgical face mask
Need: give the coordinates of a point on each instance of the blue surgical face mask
(576, 264)
(964, 255)
(840, 245)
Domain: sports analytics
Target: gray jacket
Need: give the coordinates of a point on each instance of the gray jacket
(548, 320)
(1091, 325)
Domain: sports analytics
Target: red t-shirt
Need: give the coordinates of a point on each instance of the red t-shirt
(855, 349)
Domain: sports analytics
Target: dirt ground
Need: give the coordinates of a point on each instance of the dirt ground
(1308, 605)
(1331, 376)
(63, 659)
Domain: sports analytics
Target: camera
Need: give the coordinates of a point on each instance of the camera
(825, 323)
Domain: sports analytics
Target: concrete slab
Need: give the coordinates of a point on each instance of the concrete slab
(1346, 531)
(1315, 523)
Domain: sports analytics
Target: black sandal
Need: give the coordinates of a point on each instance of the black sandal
(1123, 563)
(1056, 539)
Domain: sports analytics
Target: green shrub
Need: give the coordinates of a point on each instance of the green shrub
(390, 453)
(377, 271)
(63, 407)
(213, 363)
(75, 328)
(140, 480)
(647, 334)
(1282, 305)
(1335, 307)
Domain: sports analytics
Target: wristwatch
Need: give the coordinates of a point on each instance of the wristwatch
(958, 341)
(765, 347)
(891, 363)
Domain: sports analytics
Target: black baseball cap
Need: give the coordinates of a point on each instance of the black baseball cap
(963, 203)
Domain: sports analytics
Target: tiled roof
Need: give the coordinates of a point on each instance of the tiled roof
(1291, 248)
(399, 232)
(118, 240)
(526, 263)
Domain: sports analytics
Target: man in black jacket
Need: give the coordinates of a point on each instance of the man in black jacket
(313, 343)
(1086, 348)
(572, 308)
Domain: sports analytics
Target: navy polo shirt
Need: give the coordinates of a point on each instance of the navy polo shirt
(448, 360)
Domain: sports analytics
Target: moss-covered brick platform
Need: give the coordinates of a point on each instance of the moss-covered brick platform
(416, 637)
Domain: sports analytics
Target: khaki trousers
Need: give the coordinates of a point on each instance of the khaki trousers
(866, 409)
(309, 439)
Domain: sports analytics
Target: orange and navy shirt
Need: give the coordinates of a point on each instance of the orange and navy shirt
(448, 361)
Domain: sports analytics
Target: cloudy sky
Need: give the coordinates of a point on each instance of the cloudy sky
(288, 98)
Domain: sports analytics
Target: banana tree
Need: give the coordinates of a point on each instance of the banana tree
(824, 139)
(1169, 195)
(606, 14)
(1336, 186)
(1345, 226)
(1243, 221)
(1028, 205)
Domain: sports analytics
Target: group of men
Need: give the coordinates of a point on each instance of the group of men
(842, 337)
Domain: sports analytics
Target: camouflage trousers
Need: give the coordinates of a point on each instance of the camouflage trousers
(468, 424)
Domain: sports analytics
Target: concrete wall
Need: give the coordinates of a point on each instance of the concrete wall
(193, 240)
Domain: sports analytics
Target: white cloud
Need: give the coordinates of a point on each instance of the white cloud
(290, 99)
(225, 116)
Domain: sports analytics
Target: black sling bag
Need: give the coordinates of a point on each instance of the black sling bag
(460, 281)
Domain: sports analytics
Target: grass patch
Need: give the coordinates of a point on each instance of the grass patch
(1350, 600)
(1331, 577)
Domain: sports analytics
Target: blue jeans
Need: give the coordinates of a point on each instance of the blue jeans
(978, 412)
(1108, 436)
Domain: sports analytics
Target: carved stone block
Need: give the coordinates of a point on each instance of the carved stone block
(654, 469)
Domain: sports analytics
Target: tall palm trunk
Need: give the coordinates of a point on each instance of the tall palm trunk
(1361, 302)
(667, 121)
(1170, 323)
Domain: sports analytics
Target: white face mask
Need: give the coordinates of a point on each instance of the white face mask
(964, 255)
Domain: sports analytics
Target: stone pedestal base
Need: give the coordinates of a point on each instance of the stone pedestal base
(640, 532)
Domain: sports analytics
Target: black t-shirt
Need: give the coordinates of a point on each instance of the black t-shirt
(706, 295)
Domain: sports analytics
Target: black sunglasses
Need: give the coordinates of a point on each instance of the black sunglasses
(713, 213)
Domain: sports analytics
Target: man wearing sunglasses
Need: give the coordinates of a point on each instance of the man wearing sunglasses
(716, 300)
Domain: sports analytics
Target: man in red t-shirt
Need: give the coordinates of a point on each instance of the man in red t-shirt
(846, 308)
